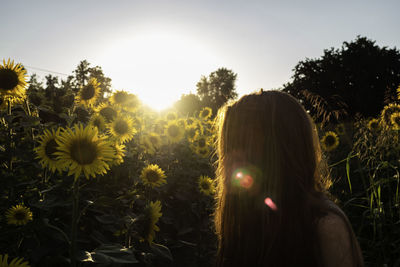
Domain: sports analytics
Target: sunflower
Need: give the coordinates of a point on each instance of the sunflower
(174, 132)
(330, 141)
(192, 133)
(98, 121)
(395, 119)
(122, 129)
(387, 113)
(46, 149)
(203, 152)
(202, 141)
(16, 262)
(12, 79)
(152, 214)
(89, 93)
(119, 153)
(82, 150)
(205, 113)
(153, 175)
(206, 185)
(19, 215)
(159, 126)
(108, 112)
(171, 116)
(190, 121)
(182, 123)
(119, 98)
(373, 125)
(132, 103)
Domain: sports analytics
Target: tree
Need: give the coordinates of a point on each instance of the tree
(188, 104)
(216, 89)
(357, 79)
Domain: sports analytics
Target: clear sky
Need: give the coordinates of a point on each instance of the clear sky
(159, 49)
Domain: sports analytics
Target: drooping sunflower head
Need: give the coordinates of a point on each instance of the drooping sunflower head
(206, 185)
(98, 121)
(387, 113)
(152, 214)
(174, 132)
(46, 150)
(12, 79)
(330, 141)
(81, 150)
(192, 133)
(119, 98)
(374, 125)
(205, 113)
(16, 262)
(153, 175)
(395, 119)
(171, 116)
(121, 128)
(108, 112)
(19, 215)
(88, 94)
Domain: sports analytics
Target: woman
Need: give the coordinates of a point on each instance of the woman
(272, 206)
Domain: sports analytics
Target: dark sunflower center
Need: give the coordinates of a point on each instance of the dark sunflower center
(330, 140)
(189, 121)
(173, 130)
(88, 92)
(50, 148)
(202, 142)
(108, 113)
(8, 79)
(121, 127)
(83, 152)
(205, 113)
(205, 185)
(374, 125)
(397, 120)
(97, 122)
(191, 133)
(20, 215)
(152, 176)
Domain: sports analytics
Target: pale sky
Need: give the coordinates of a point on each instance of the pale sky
(159, 49)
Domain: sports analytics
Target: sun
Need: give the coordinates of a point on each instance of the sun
(158, 65)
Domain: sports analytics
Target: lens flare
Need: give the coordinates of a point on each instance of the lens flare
(268, 201)
(242, 178)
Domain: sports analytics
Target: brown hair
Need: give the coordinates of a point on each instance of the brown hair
(271, 180)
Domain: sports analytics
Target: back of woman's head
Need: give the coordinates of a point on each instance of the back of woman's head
(268, 182)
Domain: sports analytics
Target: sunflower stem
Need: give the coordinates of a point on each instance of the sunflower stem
(74, 225)
(10, 167)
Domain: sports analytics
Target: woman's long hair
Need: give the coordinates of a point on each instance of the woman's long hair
(270, 185)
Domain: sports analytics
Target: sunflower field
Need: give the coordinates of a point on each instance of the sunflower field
(96, 179)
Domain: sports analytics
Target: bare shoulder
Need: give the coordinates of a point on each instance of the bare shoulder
(335, 241)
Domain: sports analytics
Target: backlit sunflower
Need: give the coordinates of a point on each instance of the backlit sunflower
(108, 112)
(46, 149)
(121, 128)
(206, 185)
(153, 175)
(203, 152)
(373, 125)
(18, 215)
(387, 113)
(192, 133)
(190, 121)
(119, 98)
(174, 132)
(12, 79)
(89, 93)
(171, 116)
(201, 141)
(395, 119)
(16, 262)
(98, 121)
(152, 214)
(205, 113)
(132, 103)
(81, 150)
(330, 141)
